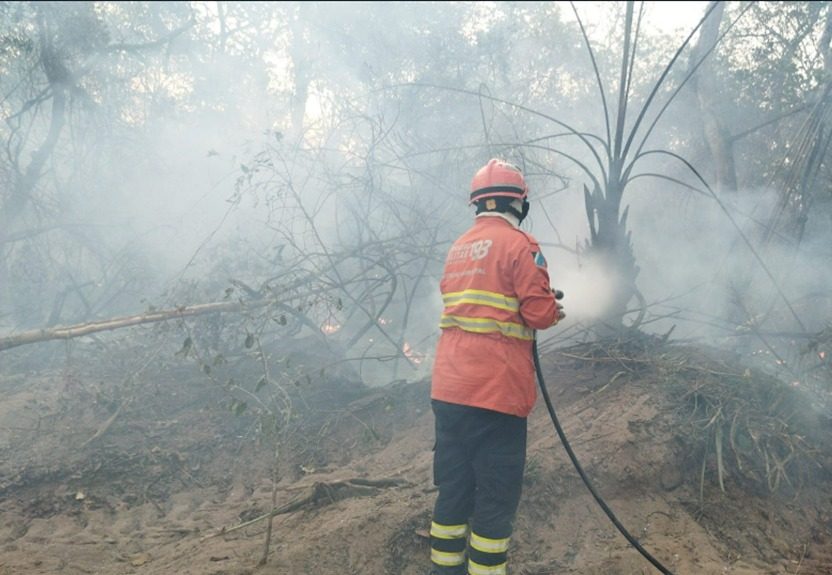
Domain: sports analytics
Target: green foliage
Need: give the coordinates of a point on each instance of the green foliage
(237, 407)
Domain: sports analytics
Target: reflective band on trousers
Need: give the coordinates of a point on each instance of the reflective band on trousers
(481, 297)
(448, 559)
(487, 545)
(477, 569)
(486, 325)
(448, 531)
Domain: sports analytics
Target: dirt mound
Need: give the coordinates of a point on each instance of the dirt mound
(716, 469)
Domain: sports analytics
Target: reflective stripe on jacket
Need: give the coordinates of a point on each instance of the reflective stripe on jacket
(495, 291)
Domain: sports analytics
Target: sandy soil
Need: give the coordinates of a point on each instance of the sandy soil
(149, 490)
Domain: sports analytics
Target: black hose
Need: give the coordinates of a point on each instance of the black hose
(577, 465)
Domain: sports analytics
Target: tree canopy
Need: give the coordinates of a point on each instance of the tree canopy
(157, 153)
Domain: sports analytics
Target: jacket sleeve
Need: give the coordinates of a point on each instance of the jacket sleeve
(531, 283)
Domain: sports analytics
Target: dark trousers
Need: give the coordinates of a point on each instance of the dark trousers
(478, 466)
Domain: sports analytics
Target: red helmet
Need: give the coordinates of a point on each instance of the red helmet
(498, 179)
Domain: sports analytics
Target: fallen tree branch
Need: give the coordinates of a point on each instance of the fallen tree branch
(77, 330)
(332, 491)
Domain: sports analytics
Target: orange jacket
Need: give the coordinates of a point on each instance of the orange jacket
(495, 291)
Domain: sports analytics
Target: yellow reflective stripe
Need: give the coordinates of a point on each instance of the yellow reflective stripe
(447, 559)
(487, 545)
(482, 297)
(486, 325)
(477, 569)
(448, 531)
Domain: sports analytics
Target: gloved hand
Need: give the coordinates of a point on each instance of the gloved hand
(559, 296)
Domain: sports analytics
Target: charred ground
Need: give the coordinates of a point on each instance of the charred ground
(138, 467)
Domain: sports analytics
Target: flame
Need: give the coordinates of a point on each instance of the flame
(330, 327)
(822, 354)
(413, 356)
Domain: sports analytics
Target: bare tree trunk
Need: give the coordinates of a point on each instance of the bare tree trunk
(21, 193)
(25, 182)
(717, 138)
(299, 50)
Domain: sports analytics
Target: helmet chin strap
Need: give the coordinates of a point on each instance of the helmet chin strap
(519, 212)
(517, 209)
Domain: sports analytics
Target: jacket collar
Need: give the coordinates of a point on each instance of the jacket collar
(515, 223)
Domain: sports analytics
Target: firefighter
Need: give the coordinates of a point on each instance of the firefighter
(496, 293)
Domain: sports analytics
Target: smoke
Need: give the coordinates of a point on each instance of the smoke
(190, 170)
(710, 279)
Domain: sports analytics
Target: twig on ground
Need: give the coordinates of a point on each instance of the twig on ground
(332, 491)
